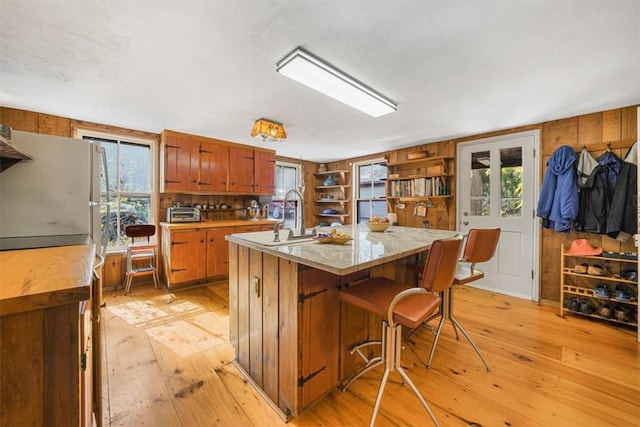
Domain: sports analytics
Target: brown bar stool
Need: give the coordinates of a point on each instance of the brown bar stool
(137, 252)
(401, 304)
(480, 247)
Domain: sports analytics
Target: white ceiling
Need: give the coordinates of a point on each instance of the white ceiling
(207, 67)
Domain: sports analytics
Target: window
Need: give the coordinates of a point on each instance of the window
(130, 166)
(370, 178)
(287, 177)
(511, 182)
(481, 183)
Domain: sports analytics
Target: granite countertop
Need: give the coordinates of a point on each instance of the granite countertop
(216, 223)
(34, 279)
(367, 249)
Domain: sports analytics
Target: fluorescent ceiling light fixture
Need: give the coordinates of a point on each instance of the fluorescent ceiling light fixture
(318, 74)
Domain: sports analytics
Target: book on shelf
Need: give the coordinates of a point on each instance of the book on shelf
(419, 187)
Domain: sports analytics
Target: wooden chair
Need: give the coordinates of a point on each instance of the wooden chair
(138, 253)
(480, 247)
(402, 304)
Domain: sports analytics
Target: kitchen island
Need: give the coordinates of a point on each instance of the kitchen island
(290, 332)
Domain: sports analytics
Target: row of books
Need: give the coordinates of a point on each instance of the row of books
(419, 187)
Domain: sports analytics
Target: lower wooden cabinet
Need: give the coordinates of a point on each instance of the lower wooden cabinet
(198, 254)
(319, 307)
(188, 255)
(218, 251)
(46, 375)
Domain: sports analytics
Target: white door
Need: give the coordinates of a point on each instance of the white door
(497, 183)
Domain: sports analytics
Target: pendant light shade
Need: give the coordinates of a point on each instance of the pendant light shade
(267, 129)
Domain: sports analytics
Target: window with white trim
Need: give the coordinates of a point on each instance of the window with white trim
(131, 166)
(370, 196)
(287, 176)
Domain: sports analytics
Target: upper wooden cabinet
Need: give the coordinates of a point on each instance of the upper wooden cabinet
(214, 167)
(180, 164)
(264, 172)
(241, 169)
(196, 164)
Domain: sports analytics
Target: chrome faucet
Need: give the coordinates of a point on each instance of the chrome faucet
(276, 227)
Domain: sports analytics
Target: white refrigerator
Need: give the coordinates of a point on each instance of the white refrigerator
(60, 196)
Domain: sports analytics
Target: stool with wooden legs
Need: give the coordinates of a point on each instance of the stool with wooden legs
(145, 252)
(400, 304)
(480, 247)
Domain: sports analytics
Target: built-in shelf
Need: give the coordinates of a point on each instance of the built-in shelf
(339, 191)
(333, 172)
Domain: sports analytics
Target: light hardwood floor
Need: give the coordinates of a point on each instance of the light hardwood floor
(168, 364)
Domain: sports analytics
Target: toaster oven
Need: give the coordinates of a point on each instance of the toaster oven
(183, 214)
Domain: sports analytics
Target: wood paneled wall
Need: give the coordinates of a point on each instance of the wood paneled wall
(616, 127)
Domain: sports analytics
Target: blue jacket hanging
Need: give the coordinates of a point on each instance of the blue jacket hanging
(558, 203)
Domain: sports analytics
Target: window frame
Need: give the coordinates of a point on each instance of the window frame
(356, 199)
(152, 143)
(276, 199)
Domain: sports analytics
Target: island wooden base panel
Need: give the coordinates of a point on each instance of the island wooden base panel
(169, 364)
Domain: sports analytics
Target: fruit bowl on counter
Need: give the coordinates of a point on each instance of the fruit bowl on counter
(377, 224)
(333, 237)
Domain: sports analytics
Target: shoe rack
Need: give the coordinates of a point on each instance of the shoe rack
(584, 285)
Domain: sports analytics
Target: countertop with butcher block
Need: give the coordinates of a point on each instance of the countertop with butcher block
(33, 279)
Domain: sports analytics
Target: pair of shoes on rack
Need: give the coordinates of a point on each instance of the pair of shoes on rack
(622, 313)
(602, 291)
(593, 270)
(572, 304)
(587, 306)
(596, 270)
(581, 268)
(605, 310)
(623, 293)
(630, 274)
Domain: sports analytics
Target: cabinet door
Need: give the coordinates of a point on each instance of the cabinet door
(220, 171)
(264, 166)
(214, 166)
(241, 170)
(320, 307)
(207, 159)
(218, 251)
(180, 164)
(188, 255)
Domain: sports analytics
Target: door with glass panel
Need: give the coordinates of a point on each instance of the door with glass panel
(497, 186)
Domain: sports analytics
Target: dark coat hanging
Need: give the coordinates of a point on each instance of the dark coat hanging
(622, 221)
